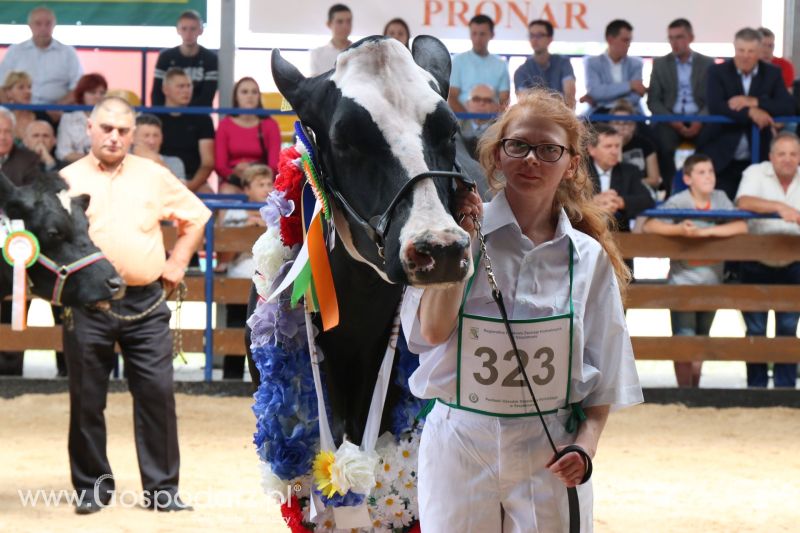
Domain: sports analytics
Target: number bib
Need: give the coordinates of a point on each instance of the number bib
(489, 377)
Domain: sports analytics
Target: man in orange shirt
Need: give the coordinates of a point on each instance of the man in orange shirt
(130, 195)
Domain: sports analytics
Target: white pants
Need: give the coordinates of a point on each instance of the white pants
(471, 464)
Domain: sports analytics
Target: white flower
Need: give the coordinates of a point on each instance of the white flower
(402, 518)
(273, 486)
(353, 469)
(389, 505)
(387, 471)
(325, 520)
(270, 254)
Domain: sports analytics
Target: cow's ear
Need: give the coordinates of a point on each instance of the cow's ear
(290, 81)
(7, 189)
(430, 54)
(82, 200)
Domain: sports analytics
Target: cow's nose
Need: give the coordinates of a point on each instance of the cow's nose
(117, 286)
(437, 262)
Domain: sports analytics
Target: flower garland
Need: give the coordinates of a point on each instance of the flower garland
(287, 425)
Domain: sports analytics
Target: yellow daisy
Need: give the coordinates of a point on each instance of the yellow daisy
(322, 474)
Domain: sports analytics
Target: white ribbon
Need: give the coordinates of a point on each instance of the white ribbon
(358, 516)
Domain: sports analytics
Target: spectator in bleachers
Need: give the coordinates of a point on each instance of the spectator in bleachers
(482, 99)
(243, 140)
(17, 162)
(41, 139)
(773, 187)
(677, 86)
(200, 64)
(768, 56)
(340, 22)
(53, 66)
(478, 66)
(698, 174)
(17, 90)
(637, 150)
(544, 69)
(750, 92)
(618, 186)
(188, 137)
(147, 140)
(614, 74)
(398, 29)
(73, 140)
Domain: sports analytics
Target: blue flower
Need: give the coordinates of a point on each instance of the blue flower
(292, 456)
(277, 206)
(351, 499)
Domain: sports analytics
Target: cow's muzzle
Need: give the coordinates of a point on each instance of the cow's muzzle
(437, 257)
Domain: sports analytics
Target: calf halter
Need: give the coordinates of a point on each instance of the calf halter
(63, 272)
(377, 226)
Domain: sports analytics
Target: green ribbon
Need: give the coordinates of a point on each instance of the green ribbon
(576, 416)
(426, 409)
(301, 283)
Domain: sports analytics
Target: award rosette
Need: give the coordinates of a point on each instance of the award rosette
(20, 250)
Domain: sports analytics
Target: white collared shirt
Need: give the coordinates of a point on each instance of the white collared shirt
(534, 280)
(604, 177)
(759, 180)
(616, 69)
(55, 70)
(742, 152)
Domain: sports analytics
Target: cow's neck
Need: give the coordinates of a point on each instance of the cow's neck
(354, 349)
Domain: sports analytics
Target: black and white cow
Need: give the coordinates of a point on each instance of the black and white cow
(380, 120)
(59, 223)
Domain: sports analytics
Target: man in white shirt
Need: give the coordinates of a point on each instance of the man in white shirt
(340, 22)
(53, 66)
(773, 187)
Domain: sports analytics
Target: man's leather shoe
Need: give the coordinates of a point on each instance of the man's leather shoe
(166, 504)
(88, 507)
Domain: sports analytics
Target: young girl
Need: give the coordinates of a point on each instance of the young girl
(483, 449)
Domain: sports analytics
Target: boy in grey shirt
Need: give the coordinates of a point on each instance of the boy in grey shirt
(698, 174)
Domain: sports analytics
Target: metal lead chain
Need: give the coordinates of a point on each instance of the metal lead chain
(487, 261)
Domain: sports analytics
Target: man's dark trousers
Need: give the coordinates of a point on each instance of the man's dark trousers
(784, 374)
(146, 346)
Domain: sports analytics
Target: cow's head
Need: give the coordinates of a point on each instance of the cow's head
(59, 223)
(380, 119)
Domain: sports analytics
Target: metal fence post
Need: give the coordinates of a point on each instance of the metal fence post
(209, 297)
(755, 144)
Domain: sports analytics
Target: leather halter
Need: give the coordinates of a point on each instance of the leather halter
(377, 226)
(63, 272)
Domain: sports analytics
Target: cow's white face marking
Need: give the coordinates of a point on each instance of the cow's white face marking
(66, 200)
(383, 78)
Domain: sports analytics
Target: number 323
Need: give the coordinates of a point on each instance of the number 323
(512, 379)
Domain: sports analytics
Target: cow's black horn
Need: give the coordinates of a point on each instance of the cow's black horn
(287, 78)
(430, 54)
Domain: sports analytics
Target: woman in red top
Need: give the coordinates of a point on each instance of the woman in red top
(242, 140)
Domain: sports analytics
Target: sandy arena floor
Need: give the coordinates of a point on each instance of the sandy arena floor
(659, 469)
